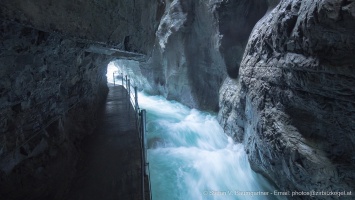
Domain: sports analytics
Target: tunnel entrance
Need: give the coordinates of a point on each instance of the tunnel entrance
(120, 68)
(112, 72)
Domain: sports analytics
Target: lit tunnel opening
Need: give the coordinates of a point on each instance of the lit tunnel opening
(120, 68)
(112, 72)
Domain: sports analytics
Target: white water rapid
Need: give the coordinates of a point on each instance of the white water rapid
(191, 158)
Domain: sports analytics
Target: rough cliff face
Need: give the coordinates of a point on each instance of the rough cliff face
(50, 92)
(186, 65)
(124, 24)
(53, 59)
(194, 39)
(293, 104)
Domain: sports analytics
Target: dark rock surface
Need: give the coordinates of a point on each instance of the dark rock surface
(236, 20)
(125, 24)
(293, 104)
(51, 90)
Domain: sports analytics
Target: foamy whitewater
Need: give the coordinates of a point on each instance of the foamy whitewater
(191, 158)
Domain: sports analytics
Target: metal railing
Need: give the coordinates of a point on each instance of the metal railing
(140, 117)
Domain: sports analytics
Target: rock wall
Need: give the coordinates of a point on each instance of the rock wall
(293, 103)
(52, 84)
(194, 41)
(51, 90)
(123, 24)
(186, 65)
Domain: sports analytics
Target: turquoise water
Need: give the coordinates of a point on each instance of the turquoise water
(192, 158)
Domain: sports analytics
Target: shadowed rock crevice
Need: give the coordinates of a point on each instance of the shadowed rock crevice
(236, 21)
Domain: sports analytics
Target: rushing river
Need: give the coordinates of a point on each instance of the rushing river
(191, 158)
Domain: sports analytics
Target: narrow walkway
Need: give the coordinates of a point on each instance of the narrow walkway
(110, 167)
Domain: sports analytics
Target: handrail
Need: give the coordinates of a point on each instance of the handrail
(140, 117)
(142, 127)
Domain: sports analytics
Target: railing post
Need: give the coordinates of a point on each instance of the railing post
(122, 79)
(126, 81)
(136, 104)
(113, 76)
(136, 97)
(129, 88)
(143, 138)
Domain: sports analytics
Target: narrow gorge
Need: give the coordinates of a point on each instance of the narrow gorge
(279, 75)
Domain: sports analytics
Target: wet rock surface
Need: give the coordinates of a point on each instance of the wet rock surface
(186, 65)
(293, 103)
(194, 41)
